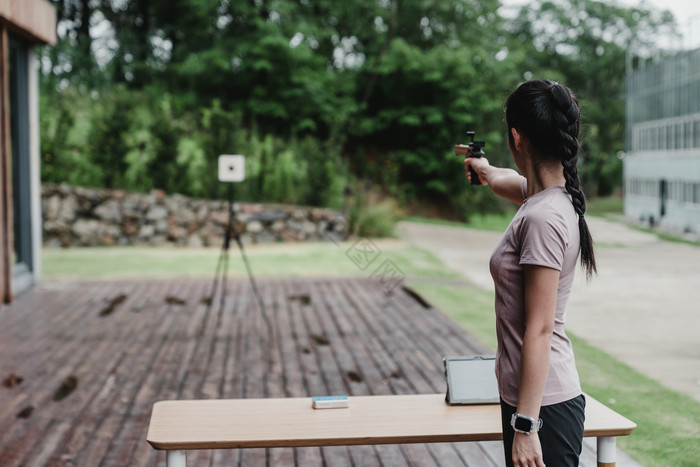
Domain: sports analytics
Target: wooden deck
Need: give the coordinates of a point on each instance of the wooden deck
(82, 363)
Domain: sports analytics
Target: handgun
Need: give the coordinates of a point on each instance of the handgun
(472, 149)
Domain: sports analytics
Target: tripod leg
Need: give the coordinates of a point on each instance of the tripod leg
(231, 229)
(223, 262)
(225, 280)
(250, 274)
(217, 273)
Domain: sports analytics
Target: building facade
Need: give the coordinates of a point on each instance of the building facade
(23, 25)
(662, 160)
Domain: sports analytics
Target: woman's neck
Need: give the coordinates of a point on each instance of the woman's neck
(544, 176)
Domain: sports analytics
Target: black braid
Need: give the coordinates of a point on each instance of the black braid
(548, 114)
(567, 116)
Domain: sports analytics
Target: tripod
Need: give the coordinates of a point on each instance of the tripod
(222, 264)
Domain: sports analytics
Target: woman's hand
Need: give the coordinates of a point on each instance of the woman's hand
(527, 451)
(479, 164)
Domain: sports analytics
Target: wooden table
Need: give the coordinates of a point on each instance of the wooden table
(178, 426)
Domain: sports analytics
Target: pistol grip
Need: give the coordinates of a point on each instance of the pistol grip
(474, 177)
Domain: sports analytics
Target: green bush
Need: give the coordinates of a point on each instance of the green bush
(65, 125)
(373, 214)
(129, 139)
(114, 119)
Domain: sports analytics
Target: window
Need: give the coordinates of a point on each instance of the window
(20, 162)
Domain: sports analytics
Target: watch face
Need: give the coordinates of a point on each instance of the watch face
(523, 424)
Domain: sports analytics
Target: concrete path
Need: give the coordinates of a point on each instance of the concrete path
(643, 307)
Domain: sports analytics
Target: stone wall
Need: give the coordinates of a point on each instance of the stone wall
(75, 216)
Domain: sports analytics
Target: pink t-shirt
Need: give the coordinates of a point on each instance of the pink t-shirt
(543, 232)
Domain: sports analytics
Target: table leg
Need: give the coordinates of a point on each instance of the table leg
(176, 459)
(607, 451)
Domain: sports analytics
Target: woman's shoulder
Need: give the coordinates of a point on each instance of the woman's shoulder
(553, 200)
(551, 208)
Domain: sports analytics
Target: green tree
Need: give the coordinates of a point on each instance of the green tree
(585, 44)
(434, 75)
(148, 93)
(71, 60)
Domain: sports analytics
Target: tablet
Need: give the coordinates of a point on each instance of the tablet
(471, 380)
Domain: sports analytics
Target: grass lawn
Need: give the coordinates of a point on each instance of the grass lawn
(668, 422)
(277, 260)
(493, 222)
(602, 207)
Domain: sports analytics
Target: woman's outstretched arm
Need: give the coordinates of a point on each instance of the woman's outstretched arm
(506, 183)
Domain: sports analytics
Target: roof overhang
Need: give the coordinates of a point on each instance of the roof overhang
(34, 20)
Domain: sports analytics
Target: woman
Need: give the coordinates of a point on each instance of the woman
(542, 406)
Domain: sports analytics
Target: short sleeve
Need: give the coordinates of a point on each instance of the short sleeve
(544, 236)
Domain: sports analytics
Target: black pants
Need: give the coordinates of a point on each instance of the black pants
(561, 435)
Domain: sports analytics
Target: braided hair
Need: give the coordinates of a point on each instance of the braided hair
(547, 113)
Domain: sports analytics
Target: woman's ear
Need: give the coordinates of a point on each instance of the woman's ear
(516, 139)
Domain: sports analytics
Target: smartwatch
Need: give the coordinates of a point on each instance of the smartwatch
(524, 424)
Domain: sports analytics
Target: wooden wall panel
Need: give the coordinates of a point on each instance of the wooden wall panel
(34, 19)
(6, 230)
